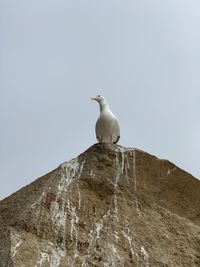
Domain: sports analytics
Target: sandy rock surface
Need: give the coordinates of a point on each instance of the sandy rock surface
(111, 206)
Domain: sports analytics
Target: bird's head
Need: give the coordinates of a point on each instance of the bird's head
(100, 99)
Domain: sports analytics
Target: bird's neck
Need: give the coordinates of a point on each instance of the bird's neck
(103, 107)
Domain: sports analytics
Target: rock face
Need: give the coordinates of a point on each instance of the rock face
(111, 206)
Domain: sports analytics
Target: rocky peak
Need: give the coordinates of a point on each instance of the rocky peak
(110, 206)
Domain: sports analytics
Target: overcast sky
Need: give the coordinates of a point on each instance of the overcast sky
(142, 55)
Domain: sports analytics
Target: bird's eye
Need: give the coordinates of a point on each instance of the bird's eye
(99, 96)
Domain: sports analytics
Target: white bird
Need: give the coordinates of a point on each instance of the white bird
(107, 126)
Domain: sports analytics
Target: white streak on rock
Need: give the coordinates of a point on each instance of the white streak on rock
(92, 174)
(122, 164)
(114, 250)
(170, 171)
(16, 241)
(38, 208)
(81, 168)
(111, 254)
(117, 176)
(116, 236)
(58, 216)
(99, 226)
(39, 200)
(44, 257)
(94, 235)
(135, 180)
(56, 255)
(127, 166)
(122, 152)
(145, 257)
(128, 235)
(79, 196)
(73, 230)
(69, 171)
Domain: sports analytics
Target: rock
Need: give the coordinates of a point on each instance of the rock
(111, 206)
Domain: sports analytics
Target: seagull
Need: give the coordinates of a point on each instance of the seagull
(107, 126)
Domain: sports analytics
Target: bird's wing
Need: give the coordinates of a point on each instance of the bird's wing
(116, 131)
(107, 127)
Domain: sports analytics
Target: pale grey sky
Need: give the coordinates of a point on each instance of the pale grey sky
(143, 56)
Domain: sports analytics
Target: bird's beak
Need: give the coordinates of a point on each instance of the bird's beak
(93, 98)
